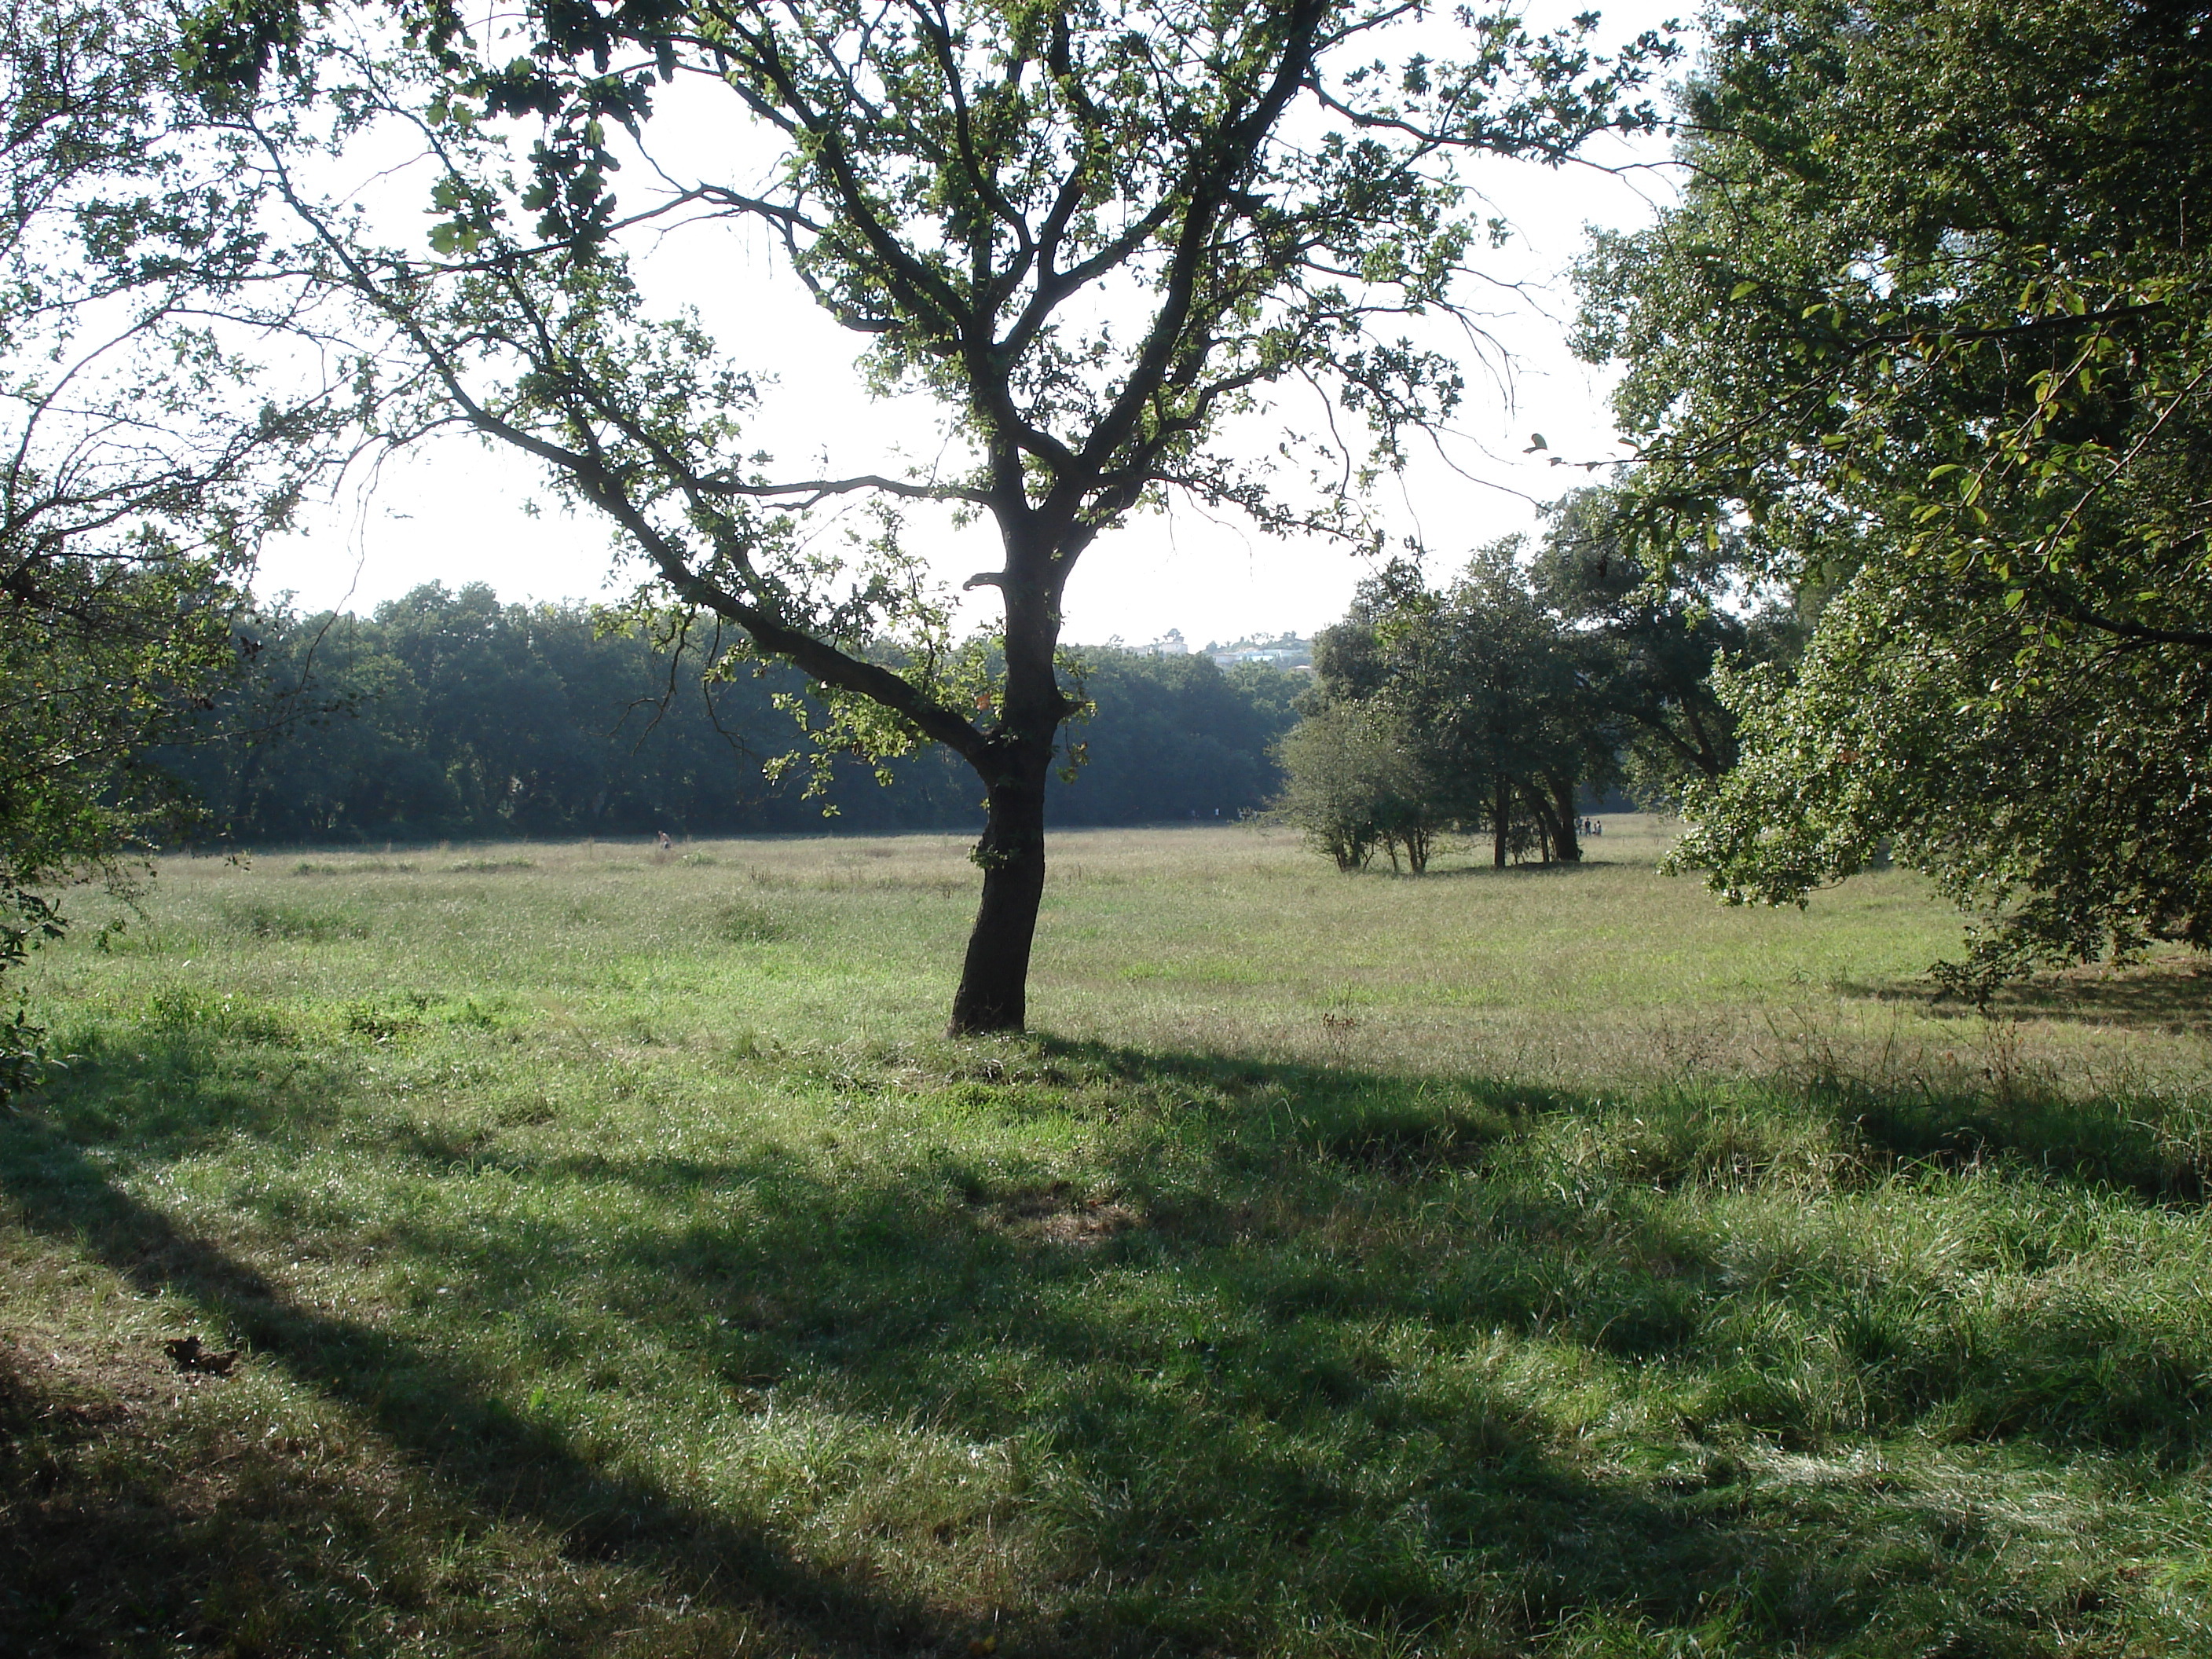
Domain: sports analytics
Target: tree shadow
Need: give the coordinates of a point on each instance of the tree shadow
(1524, 869)
(60, 1545)
(2121, 1146)
(1241, 1380)
(434, 1413)
(2124, 1144)
(2166, 996)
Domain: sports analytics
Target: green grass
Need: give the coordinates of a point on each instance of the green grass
(1523, 1263)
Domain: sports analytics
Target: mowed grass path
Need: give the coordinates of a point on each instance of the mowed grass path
(1535, 1262)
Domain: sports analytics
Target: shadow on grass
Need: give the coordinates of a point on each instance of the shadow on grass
(1307, 1356)
(1282, 1201)
(2159, 996)
(2099, 1145)
(60, 1547)
(1521, 869)
(2143, 1148)
(155, 1094)
(432, 1411)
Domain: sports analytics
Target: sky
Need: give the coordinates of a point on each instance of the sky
(455, 511)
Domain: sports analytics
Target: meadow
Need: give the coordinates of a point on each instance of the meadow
(1550, 1263)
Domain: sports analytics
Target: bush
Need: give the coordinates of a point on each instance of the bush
(1354, 782)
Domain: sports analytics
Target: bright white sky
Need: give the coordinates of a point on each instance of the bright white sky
(456, 511)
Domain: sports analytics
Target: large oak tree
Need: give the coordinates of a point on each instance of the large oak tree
(1927, 336)
(1123, 248)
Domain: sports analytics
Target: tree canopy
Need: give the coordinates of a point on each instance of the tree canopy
(139, 460)
(448, 714)
(1928, 334)
(1494, 701)
(1095, 236)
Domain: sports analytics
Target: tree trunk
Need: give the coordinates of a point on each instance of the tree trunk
(1563, 796)
(994, 994)
(1549, 833)
(1015, 763)
(1708, 758)
(1502, 808)
(1539, 814)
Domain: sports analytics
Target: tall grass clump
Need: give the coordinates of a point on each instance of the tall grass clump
(265, 918)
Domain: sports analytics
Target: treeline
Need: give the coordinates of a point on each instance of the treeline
(448, 715)
(1498, 702)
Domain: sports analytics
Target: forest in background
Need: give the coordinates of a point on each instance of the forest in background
(448, 714)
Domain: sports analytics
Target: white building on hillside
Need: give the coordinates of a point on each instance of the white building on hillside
(1286, 650)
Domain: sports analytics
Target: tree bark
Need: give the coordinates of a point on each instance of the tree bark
(1502, 810)
(1563, 796)
(1550, 830)
(994, 994)
(1539, 814)
(1015, 763)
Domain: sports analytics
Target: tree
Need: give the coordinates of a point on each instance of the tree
(1646, 641)
(1354, 779)
(2067, 822)
(1930, 330)
(1484, 683)
(1097, 236)
(1507, 707)
(447, 713)
(138, 463)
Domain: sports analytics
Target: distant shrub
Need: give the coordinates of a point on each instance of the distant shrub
(490, 866)
(737, 921)
(1353, 782)
(266, 918)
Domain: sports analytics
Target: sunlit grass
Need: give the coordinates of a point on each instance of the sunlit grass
(1536, 1261)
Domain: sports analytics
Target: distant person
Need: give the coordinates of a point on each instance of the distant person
(666, 845)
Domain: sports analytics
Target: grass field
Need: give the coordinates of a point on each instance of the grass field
(1536, 1262)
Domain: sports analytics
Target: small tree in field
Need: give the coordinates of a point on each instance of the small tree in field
(1484, 685)
(1326, 787)
(1354, 781)
(1094, 235)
